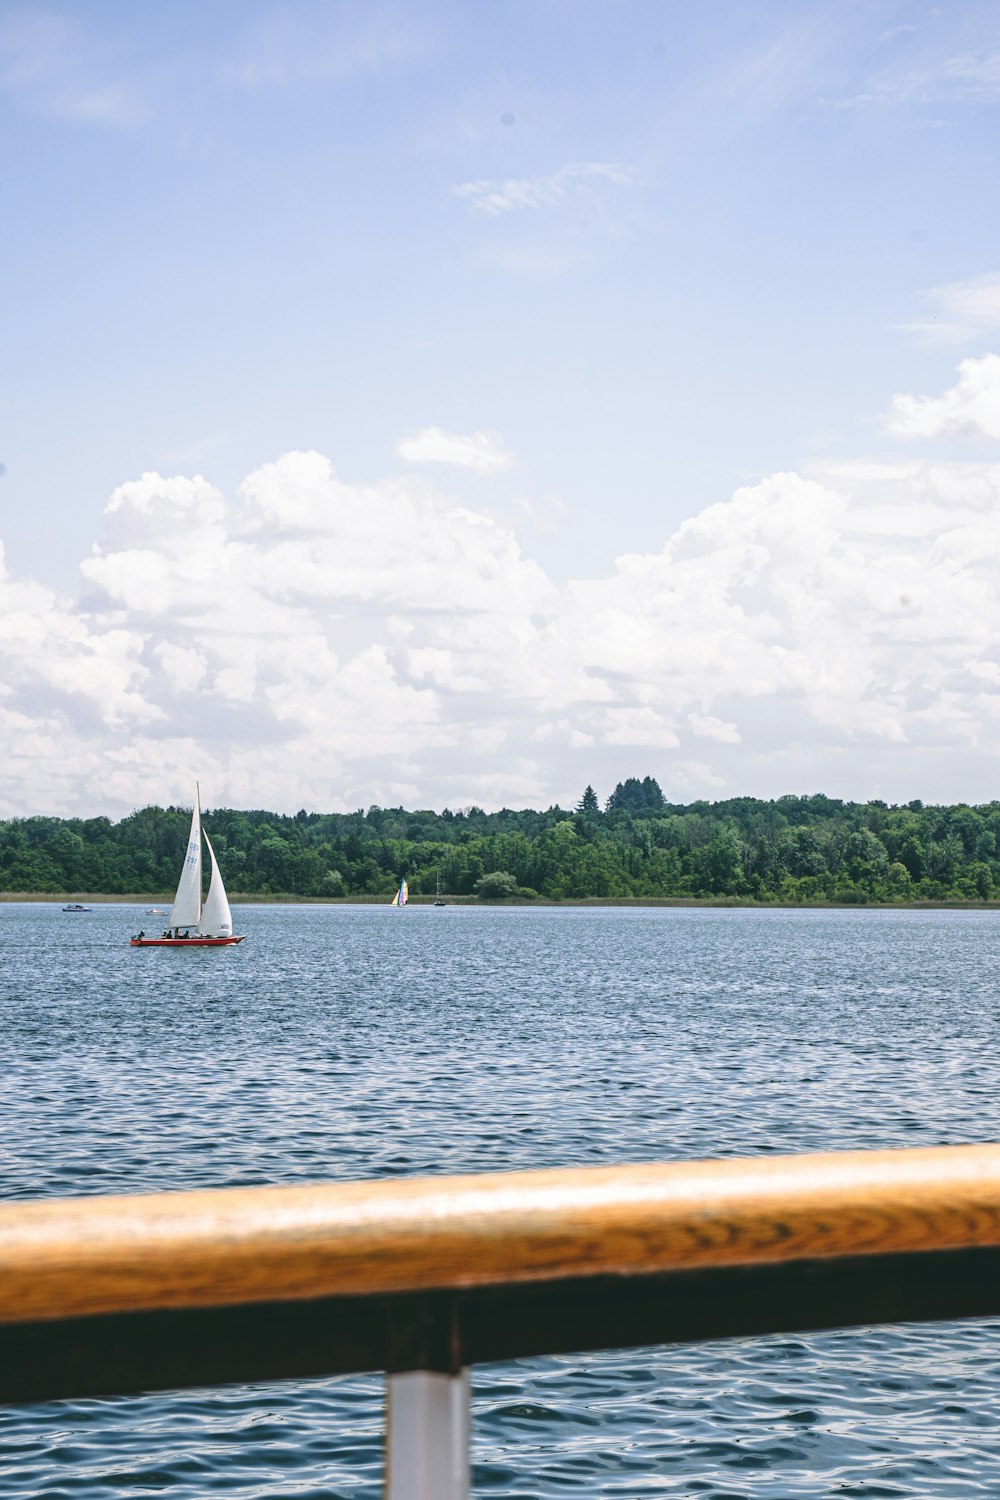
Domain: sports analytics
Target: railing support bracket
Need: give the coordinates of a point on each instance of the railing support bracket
(427, 1436)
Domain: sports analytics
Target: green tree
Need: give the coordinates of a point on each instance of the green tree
(637, 796)
(793, 848)
(495, 886)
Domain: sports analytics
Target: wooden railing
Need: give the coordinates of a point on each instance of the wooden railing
(426, 1277)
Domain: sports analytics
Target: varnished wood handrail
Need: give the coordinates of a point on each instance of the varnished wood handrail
(85, 1256)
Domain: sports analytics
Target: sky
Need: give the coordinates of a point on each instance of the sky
(445, 405)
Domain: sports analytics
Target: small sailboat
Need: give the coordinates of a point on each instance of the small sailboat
(192, 922)
(438, 898)
(402, 895)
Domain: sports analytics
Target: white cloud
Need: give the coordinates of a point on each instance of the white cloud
(548, 514)
(493, 197)
(53, 67)
(641, 726)
(961, 312)
(183, 666)
(51, 654)
(975, 75)
(970, 408)
(695, 779)
(968, 77)
(707, 727)
(480, 451)
(308, 642)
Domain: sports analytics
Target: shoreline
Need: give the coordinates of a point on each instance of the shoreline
(48, 898)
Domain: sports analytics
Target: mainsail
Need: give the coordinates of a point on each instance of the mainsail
(400, 898)
(216, 918)
(186, 910)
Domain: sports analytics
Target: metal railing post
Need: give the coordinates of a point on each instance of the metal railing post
(427, 1436)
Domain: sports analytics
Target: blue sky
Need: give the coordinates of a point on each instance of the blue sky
(650, 253)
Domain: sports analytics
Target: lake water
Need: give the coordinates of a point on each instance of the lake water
(347, 1042)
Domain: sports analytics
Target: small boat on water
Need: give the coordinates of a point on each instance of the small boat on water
(402, 895)
(194, 923)
(154, 911)
(75, 906)
(438, 898)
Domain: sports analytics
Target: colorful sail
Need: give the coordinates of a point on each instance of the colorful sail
(401, 896)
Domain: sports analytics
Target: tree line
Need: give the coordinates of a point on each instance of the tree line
(794, 848)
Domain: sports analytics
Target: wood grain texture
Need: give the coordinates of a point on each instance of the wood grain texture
(84, 1256)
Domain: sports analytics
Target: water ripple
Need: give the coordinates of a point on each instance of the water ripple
(353, 1042)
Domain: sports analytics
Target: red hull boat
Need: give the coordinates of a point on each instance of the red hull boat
(191, 942)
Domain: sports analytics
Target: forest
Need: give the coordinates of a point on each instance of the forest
(637, 845)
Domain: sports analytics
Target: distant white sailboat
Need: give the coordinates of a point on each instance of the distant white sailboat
(192, 922)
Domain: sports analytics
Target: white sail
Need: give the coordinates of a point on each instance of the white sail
(186, 910)
(216, 918)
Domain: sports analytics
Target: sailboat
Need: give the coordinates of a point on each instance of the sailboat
(192, 922)
(402, 895)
